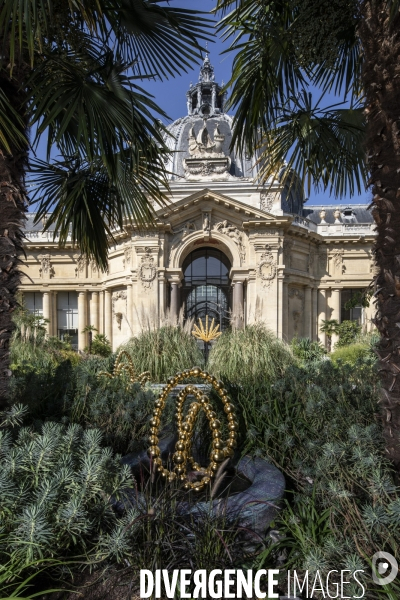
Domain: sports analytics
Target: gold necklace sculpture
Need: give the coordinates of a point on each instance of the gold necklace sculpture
(120, 366)
(182, 456)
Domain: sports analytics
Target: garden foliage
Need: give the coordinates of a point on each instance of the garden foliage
(250, 355)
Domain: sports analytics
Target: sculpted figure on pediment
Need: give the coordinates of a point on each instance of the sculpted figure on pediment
(179, 236)
(233, 232)
(46, 270)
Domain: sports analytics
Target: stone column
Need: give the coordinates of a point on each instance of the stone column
(238, 304)
(335, 305)
(285, 310)
(101, 311)
(307, 312)
(94, 310)
(129, 303)
(82, 320)
(54, 317)
(280, 307)
(321, 315)
(46, 310)
(314, 323)
(175, 301)
(108, 315)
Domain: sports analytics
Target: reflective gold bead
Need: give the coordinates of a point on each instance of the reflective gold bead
(157, 461)
(153, 440)
(203, 399)
(183, 436)
(155, 422)
(156, 412)
(179, 375)
(186, 486)
(153, 430)
(232, 426)
(214, 466)
(228, 452)
(215, 424)
(179, 470)
(229, 408)
(211, 415)
(154, 451)
(178, 458)
(217, 444)
(219, 385)
(171, 476)
(189, 389)
(217, 456)
(159, 403)
(196, 371)
(231, 443)
(171, 381)
(216, 433)
(180, 446)
(186, 427)
(206, 480)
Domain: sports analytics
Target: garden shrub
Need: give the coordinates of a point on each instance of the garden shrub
(348, 332)
(119, 408)
(56, 486)
(249, 356)
(350, 354)
(320, 424)
(305, 349)
(164, 351)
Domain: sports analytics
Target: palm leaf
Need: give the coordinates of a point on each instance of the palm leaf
(320, 145)
(12, 126)
(87, 206)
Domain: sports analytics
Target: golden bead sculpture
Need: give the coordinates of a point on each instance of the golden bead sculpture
(182, 455)
(120, 366)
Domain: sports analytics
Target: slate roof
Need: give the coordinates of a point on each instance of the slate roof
(350, 213)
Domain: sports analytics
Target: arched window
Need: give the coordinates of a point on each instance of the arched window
(206, 286)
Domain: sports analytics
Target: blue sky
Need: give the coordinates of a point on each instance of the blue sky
(170, 95)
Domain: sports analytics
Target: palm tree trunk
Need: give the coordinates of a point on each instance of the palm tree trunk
(381, 43)
(12, 217)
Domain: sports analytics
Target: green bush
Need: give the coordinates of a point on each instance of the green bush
(121, 410)
(164, 351)
(320, 424)
(249, 356)
(305, 349)
(101, 346)
(351, 353)
(56, 486)
(348, 332)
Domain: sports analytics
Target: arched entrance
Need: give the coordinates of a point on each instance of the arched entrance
(206, 287)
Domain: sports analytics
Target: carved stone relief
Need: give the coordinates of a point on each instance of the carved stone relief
(147, 271)
(234, 233)
(126, 261)
(337, 261)
(266, 268)
(267, 200)
(287, 252)
(310, 260)
(81, 263)
(119, 306)
(180, 235)
(46, 270)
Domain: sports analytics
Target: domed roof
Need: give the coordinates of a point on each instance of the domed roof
(206, 116)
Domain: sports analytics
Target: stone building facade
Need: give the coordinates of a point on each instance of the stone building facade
(223, 247)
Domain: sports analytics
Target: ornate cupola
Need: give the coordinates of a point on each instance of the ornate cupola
(205, 98)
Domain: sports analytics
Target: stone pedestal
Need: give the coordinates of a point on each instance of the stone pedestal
(335, 306)
(108, 315)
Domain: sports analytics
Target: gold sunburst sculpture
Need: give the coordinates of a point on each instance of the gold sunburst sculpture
(120, 366)
(207, 334)
(220, 450)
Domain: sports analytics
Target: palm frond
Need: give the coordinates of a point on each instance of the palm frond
(324, 146)
(12, 126)
(162, 40)
(87, 205)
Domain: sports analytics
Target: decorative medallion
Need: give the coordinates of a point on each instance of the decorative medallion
(147, 271)
(266, 268)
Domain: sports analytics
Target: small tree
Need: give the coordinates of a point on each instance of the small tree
(348, 332)
(89, 329)
(329, 327)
